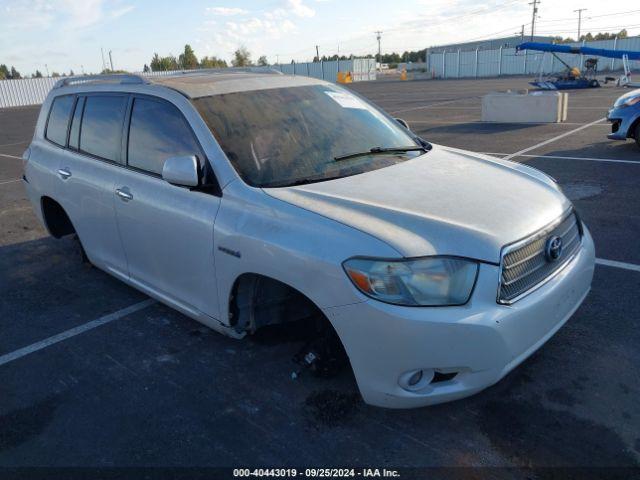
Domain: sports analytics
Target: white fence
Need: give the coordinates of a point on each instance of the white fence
(33, 91)
(505, 61)
(362, 69)
(26, 91)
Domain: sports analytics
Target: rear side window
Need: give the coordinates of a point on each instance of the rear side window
(158, 131)
(59, 120)
(101, 131)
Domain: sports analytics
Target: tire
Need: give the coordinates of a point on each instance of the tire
(637, 134)
(594, 83)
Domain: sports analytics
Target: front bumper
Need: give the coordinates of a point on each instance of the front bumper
(622, 119)
(482, 340)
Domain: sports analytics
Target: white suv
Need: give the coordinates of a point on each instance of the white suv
(244, 199)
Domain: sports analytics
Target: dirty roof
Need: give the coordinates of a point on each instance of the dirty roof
(207, 84)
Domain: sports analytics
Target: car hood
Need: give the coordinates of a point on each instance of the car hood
(621, 99)
(445, 202)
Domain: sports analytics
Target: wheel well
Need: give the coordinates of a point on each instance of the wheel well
(55, 218)
(257, 301)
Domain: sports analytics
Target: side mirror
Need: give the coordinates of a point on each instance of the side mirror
(181, 171)
(403, 123)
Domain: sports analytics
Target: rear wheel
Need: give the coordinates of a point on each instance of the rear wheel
(637, 134)
(594, 83)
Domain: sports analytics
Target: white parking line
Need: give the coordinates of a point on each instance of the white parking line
(615, 264)
(434, 104)
(445, 122)
(554, 139)
(10, 156)
(557, 157)
(10, 357)
(15, 143)
(10, 181)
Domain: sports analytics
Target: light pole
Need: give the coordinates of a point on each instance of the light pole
(378, 37)
(580, 10)
(533, 19)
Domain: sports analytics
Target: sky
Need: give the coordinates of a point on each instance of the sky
(63, 35)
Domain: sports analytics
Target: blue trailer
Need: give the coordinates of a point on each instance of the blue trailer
(572, 77)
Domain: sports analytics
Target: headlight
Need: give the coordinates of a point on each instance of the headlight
(429, 281)
(627, 102)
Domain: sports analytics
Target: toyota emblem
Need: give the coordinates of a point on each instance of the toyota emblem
(553, 248)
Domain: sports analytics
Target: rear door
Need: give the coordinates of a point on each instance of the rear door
(42, 171)
(167, 230)
(88, 170)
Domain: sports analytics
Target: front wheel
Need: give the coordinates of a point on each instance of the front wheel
(594, 83)
(637, 134)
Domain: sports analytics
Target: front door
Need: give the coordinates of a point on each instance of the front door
(166, 230)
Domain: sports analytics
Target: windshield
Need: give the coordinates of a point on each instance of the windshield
(295, 135)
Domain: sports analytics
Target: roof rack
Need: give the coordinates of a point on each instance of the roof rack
(224, 70)
(121, 78)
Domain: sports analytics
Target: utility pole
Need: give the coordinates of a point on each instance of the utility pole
(104, 65)
(47, 69)
(111, 60)
(522, 34)
(378, 37)
(535, 15)
(317, 53)
(580, 10)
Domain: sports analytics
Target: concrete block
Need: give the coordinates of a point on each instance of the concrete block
(525, 107)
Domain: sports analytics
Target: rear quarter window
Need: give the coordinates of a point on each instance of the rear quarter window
(59, 119)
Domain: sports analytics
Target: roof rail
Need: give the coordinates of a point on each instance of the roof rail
(255, 69)
(121, 78)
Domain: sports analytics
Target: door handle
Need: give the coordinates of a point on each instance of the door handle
(64, 173)
(123, 194)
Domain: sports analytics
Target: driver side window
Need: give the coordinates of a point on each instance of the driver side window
(158, 131)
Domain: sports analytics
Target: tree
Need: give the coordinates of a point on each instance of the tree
(15, 74)
(212, 62)
(262, 61)
(162, 64)
(188, 59)
(71, 74)
(55, 74)
(4, 72)
(146, 68)
(38, 74)
(241, 57)
(590, 37)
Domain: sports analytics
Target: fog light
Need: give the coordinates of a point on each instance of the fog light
(415, 380)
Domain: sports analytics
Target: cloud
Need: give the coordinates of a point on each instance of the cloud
(82, 13)
(226, 11)
(259, 27)
(300, 10)
(121, 11)
(71, 14)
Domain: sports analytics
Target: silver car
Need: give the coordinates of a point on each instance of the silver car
(245, 199)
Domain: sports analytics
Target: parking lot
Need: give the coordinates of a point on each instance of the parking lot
(146, 386)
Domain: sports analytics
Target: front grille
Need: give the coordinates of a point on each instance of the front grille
(525, 264)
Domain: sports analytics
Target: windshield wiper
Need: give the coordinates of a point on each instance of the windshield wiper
(301, 181)
(376, 150)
